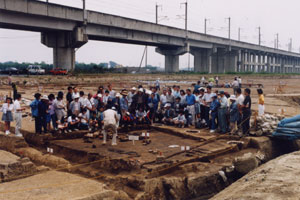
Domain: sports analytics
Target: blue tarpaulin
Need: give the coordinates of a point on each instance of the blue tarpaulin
(288, 128)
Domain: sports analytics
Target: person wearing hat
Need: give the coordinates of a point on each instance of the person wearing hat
(214, 106)
(130, 96)
(168, 115)
(75, 105)
(234, 114)
(43, 108)
(35, 112)
(222, 120)
(124, 102)
(139, 100)
(110, 121)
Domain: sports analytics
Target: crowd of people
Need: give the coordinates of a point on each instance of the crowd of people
(106, 109)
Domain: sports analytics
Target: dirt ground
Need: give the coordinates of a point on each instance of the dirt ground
(134, 169)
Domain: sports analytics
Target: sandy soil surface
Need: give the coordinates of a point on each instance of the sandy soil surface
(277, 179)
(54, 185)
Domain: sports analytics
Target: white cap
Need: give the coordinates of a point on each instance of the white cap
(113, 108)
(233, 97)
(167, 105)
(76, 96)
(141, 90)
(99, 95)
(45, 97)
(118, 95)
(148, 92)
(133, 88)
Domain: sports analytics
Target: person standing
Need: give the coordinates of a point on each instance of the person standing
(234, 114)
(207, 99)
(35, 112)
(7, 116)
(18, 115)
(214, 107)
(190, 102)
(130, 96)
(235, 85)
(43, 107)
(59, 106)
(246, 112)
(239, 101)
(69, 98)
(217, 81)
(51, 98)
(261, 102)
(222, 119)
(110, 120)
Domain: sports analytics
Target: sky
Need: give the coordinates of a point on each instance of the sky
(273, 16)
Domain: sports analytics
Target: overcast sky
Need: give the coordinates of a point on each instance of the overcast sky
(274, 16)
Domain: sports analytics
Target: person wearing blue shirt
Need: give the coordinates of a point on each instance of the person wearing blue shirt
(234, 114)
(153, 105)
(35, 112)
(222, 119)
(190, 102)
(214, 106)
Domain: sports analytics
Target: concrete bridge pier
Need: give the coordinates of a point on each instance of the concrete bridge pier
(172, 57)
(232, 61)
(259, 63)
(64, 44)
(241, 62)
(202, 60)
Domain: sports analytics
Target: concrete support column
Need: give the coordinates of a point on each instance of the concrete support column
(271, 64)
(64, 44)
(254, 63)
(249, 62)
(259, 63)
(64, 58)
(202, 60)
(242, 63)
(231, 61)
(172, 57)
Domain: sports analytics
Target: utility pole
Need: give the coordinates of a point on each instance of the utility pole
(156, 12)
(84, 12)
(291, 44)
(259, 36)
(205, 26)
(229, 28)
(146, 58)
(277, 41)
(186, 13)
(239, 34)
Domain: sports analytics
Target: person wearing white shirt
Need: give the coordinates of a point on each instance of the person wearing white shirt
(112, 93)
(163, 98)
(18, 115)
(130, 95)
(110, 120)
(75, 93)
(7, 109)
(240, 102)
(235, 85)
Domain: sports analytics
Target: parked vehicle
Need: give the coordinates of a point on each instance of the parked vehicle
(11, 70)
(59, 71)
(35, 69)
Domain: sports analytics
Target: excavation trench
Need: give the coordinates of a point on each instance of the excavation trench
(161, 170)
